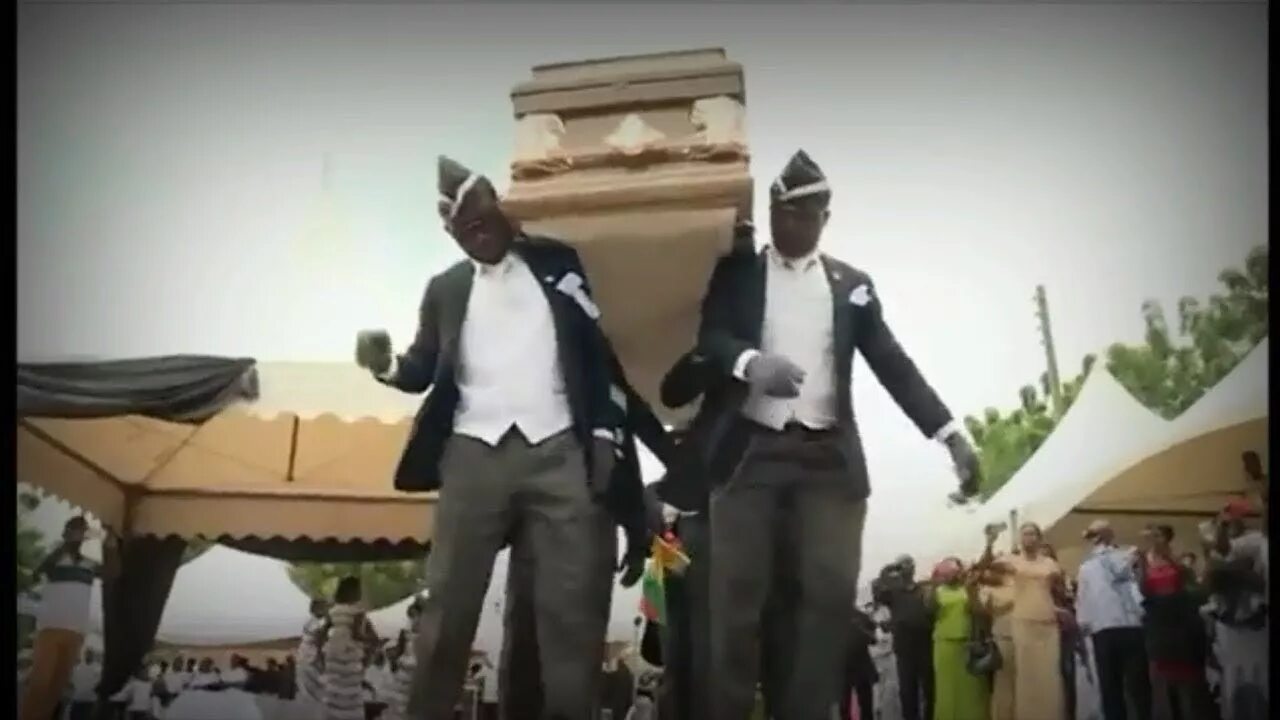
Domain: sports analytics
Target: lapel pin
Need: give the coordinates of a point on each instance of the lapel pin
(861, 295)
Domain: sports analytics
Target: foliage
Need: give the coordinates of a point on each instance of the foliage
(1171, 370)
(30, 549)
(1006, 441)
(1168, 372)
(384, 583)
(195, 548)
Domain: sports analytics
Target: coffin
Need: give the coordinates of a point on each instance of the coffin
(641, 163)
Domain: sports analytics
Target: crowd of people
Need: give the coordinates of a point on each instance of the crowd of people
(536, 450)
(1140, 632)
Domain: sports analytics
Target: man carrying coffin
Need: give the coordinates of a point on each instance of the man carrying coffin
(519, 430)
(782, 325)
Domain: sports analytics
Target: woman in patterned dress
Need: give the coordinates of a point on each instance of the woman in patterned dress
(307, 668)
(348, 636)
(398, 699)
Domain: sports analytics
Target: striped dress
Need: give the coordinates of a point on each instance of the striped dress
(343, 666)
(307, 672)
(398, 697)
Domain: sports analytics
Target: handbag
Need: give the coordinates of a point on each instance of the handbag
(982, 655)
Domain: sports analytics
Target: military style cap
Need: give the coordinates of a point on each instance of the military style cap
(455, 181)
(801, 179)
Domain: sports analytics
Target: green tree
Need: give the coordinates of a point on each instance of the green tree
(30, 550)
(384, 583)
(1006, 441)
(1170, 370)
(30, 543)
(195, 548)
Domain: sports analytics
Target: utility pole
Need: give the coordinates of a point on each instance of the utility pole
(1046, 339)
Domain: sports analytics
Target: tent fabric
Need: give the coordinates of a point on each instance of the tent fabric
(209, 605)
(132, 603)
(177, 388)
(307, 550)
(1112, 457)
(311, 458)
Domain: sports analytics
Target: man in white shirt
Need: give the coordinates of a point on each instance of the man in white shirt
(782, 326)
(519, 431)
(62, 619)
(84, 687)
(176, 679)
(1109, 613)
(137, 696)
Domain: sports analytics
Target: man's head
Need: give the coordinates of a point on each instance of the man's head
(90, 656)
(75, 529)
(1099, 532)
(1190, 561)
(798, 206)
(191, 665)
(1234, 515)
(472, 214)
(318, 608)
(906, 565)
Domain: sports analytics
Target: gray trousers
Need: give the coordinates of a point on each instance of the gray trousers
(519, 671)
(686, 638)
(486, 492)
(788, 505)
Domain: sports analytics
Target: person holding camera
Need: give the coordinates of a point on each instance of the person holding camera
(911, 628)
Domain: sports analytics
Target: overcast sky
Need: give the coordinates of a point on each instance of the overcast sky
(170, 161)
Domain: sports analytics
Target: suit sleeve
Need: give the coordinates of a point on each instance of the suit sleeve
(640, 418)
(607, 415)
(684, 382)
(414, 370)
(716, 340)
(895, 369)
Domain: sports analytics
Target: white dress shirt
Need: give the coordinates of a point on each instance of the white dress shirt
(799, 325)
(1107, 590)
(509, 365)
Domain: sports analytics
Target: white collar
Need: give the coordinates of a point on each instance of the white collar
(499, 269)
(802, 263)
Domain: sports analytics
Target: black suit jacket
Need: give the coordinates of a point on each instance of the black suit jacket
(687, 482)
(733, 315)
(625, 500)
(431, 361)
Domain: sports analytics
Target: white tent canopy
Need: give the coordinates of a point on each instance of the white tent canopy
(227, 597)
(1241, 396)
(1106, 434)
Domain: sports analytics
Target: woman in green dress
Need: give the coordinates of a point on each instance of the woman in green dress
(959, 694)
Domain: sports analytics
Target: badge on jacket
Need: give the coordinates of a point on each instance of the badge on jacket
(571, 284)
(861, 295)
